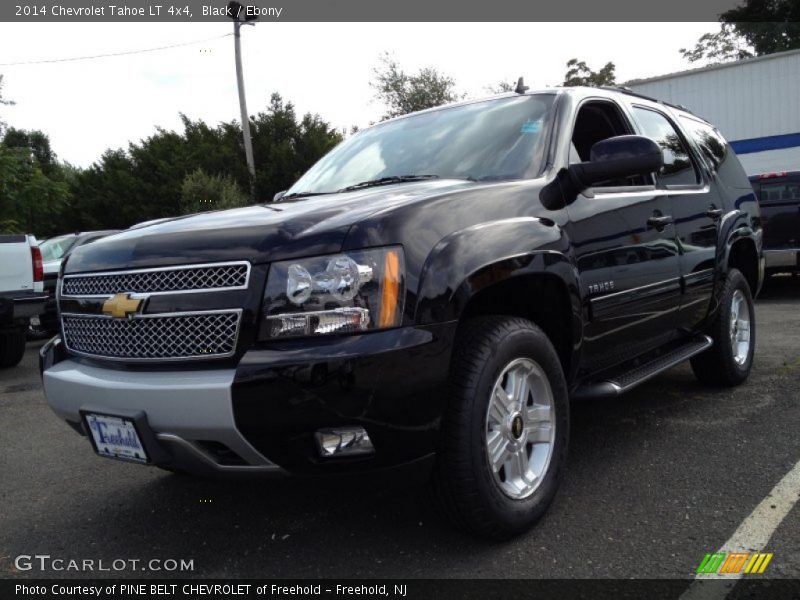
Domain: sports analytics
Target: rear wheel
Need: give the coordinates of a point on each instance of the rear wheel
(12, 348)
(730, 359)
(506, 428)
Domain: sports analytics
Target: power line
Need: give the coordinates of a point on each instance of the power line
(75, 58)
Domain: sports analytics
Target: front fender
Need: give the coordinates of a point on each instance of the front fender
(469, 260)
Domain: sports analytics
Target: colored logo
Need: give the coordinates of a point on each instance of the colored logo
(122, 305)
(735, 562)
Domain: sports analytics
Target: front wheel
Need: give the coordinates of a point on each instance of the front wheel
(730, 359)
(505, 430)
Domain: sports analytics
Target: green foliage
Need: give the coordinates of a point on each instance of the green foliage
(166, 174)
(284, 147)
(756, 28)
(403, 93)
(579, 73)
(148, 181)
(201, 192)
(33, 188)
(769, 26)
(110, 195)
(715, 48)
(37, 143)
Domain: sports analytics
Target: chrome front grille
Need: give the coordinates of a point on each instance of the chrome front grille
(166, 336)
(158, 336)
(168, 280)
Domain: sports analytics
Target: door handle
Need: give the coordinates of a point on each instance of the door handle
(714, 213)
(659, 222)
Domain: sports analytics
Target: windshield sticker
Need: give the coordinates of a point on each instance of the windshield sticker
(531, 126)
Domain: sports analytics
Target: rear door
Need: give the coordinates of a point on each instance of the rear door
(696, 209)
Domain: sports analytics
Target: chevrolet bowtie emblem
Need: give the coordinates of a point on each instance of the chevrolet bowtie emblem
(122, 305)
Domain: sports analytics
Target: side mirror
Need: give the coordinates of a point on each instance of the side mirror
(618, 157)
(612, 158)
(278, 196)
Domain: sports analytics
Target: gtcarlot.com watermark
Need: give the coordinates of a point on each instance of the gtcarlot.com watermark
(46, 562)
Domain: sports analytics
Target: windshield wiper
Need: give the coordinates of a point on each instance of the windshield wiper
(484, 178)
(386, 181)
(301, 195)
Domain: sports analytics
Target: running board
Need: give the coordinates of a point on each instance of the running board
(621, 383)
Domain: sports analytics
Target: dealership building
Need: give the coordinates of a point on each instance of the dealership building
(754, 102)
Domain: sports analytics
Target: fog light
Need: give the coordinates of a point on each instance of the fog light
(337, 320)
(343, 441)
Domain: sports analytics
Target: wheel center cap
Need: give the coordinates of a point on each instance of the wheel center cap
(516, 426)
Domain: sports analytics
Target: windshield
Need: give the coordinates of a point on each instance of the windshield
(486, 141)
(55, 248)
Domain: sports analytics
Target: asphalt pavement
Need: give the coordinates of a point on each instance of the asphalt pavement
(655, 480)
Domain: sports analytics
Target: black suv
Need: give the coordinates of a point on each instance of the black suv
(779, 197)
(432, 292)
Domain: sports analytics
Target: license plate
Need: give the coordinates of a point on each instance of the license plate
(116, 437)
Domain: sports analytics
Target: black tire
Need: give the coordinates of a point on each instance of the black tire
(12, 348)
(717, 366)
(464, 484)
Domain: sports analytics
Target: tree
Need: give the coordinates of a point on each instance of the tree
(769, 26)
(171, 173)
(286, 147)
(166, 174)
(579, 73)
(403, 93)
(715, 48)
(756, 28)
(37, 144)
(30, 200)
(106, 195)
(201, 192)
(33, 189)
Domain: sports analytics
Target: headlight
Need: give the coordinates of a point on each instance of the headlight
(341, 293)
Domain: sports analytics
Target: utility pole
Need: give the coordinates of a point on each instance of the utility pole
(239, 15)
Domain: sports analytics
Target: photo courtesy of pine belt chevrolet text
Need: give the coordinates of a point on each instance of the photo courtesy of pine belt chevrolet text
(430, 295)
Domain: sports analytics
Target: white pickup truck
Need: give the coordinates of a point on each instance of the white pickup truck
(21, 293)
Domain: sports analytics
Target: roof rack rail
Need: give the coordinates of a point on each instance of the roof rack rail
(628, 91)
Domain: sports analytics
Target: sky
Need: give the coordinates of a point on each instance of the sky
(88, 106)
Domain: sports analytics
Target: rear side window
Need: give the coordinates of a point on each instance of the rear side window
(710, 141)
(678, 167)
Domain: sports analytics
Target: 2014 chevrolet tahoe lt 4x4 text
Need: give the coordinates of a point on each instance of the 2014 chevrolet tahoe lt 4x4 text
(431, 292)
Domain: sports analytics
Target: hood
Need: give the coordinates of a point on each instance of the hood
(259, 234)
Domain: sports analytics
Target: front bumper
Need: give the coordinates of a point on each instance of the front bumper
(189, 412)
(784, 259)
(264, 412)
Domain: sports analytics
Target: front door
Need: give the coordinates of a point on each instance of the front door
(628, 262)
(624, 241)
